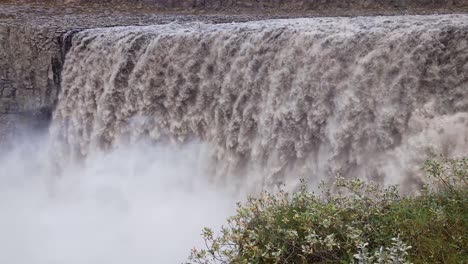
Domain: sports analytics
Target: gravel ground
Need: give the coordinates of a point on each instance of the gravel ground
(72, 16)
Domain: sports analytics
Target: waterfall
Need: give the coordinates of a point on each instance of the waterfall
(370, 97)
(160, 130)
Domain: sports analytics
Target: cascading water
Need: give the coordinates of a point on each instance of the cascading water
(301, 98)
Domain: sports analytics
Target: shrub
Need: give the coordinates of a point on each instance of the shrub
(357, 222)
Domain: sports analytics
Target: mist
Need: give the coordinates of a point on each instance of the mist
(136, 204)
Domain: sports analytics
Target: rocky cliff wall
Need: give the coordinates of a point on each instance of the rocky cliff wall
(30, 65)
(327, 6)
(304, 4)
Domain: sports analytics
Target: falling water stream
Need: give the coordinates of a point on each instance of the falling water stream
(274, 99)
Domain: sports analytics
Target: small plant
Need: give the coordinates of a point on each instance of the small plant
(397, 253)
(357, 222)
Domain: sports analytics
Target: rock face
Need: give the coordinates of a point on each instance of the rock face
(325, 4)
(30, 63)
(291, 5)
(329, 6)
(29, 68)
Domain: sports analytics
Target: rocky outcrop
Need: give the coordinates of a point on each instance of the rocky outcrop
(327, 6)
(306, 5)
(28, 68)
(30, 65)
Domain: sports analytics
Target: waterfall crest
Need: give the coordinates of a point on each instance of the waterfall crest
(369, 97)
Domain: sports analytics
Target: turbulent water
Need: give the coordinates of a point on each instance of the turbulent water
(299, 98)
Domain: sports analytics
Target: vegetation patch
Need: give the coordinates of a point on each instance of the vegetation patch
(351, 222)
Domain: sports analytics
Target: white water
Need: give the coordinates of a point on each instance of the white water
(276, 100)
